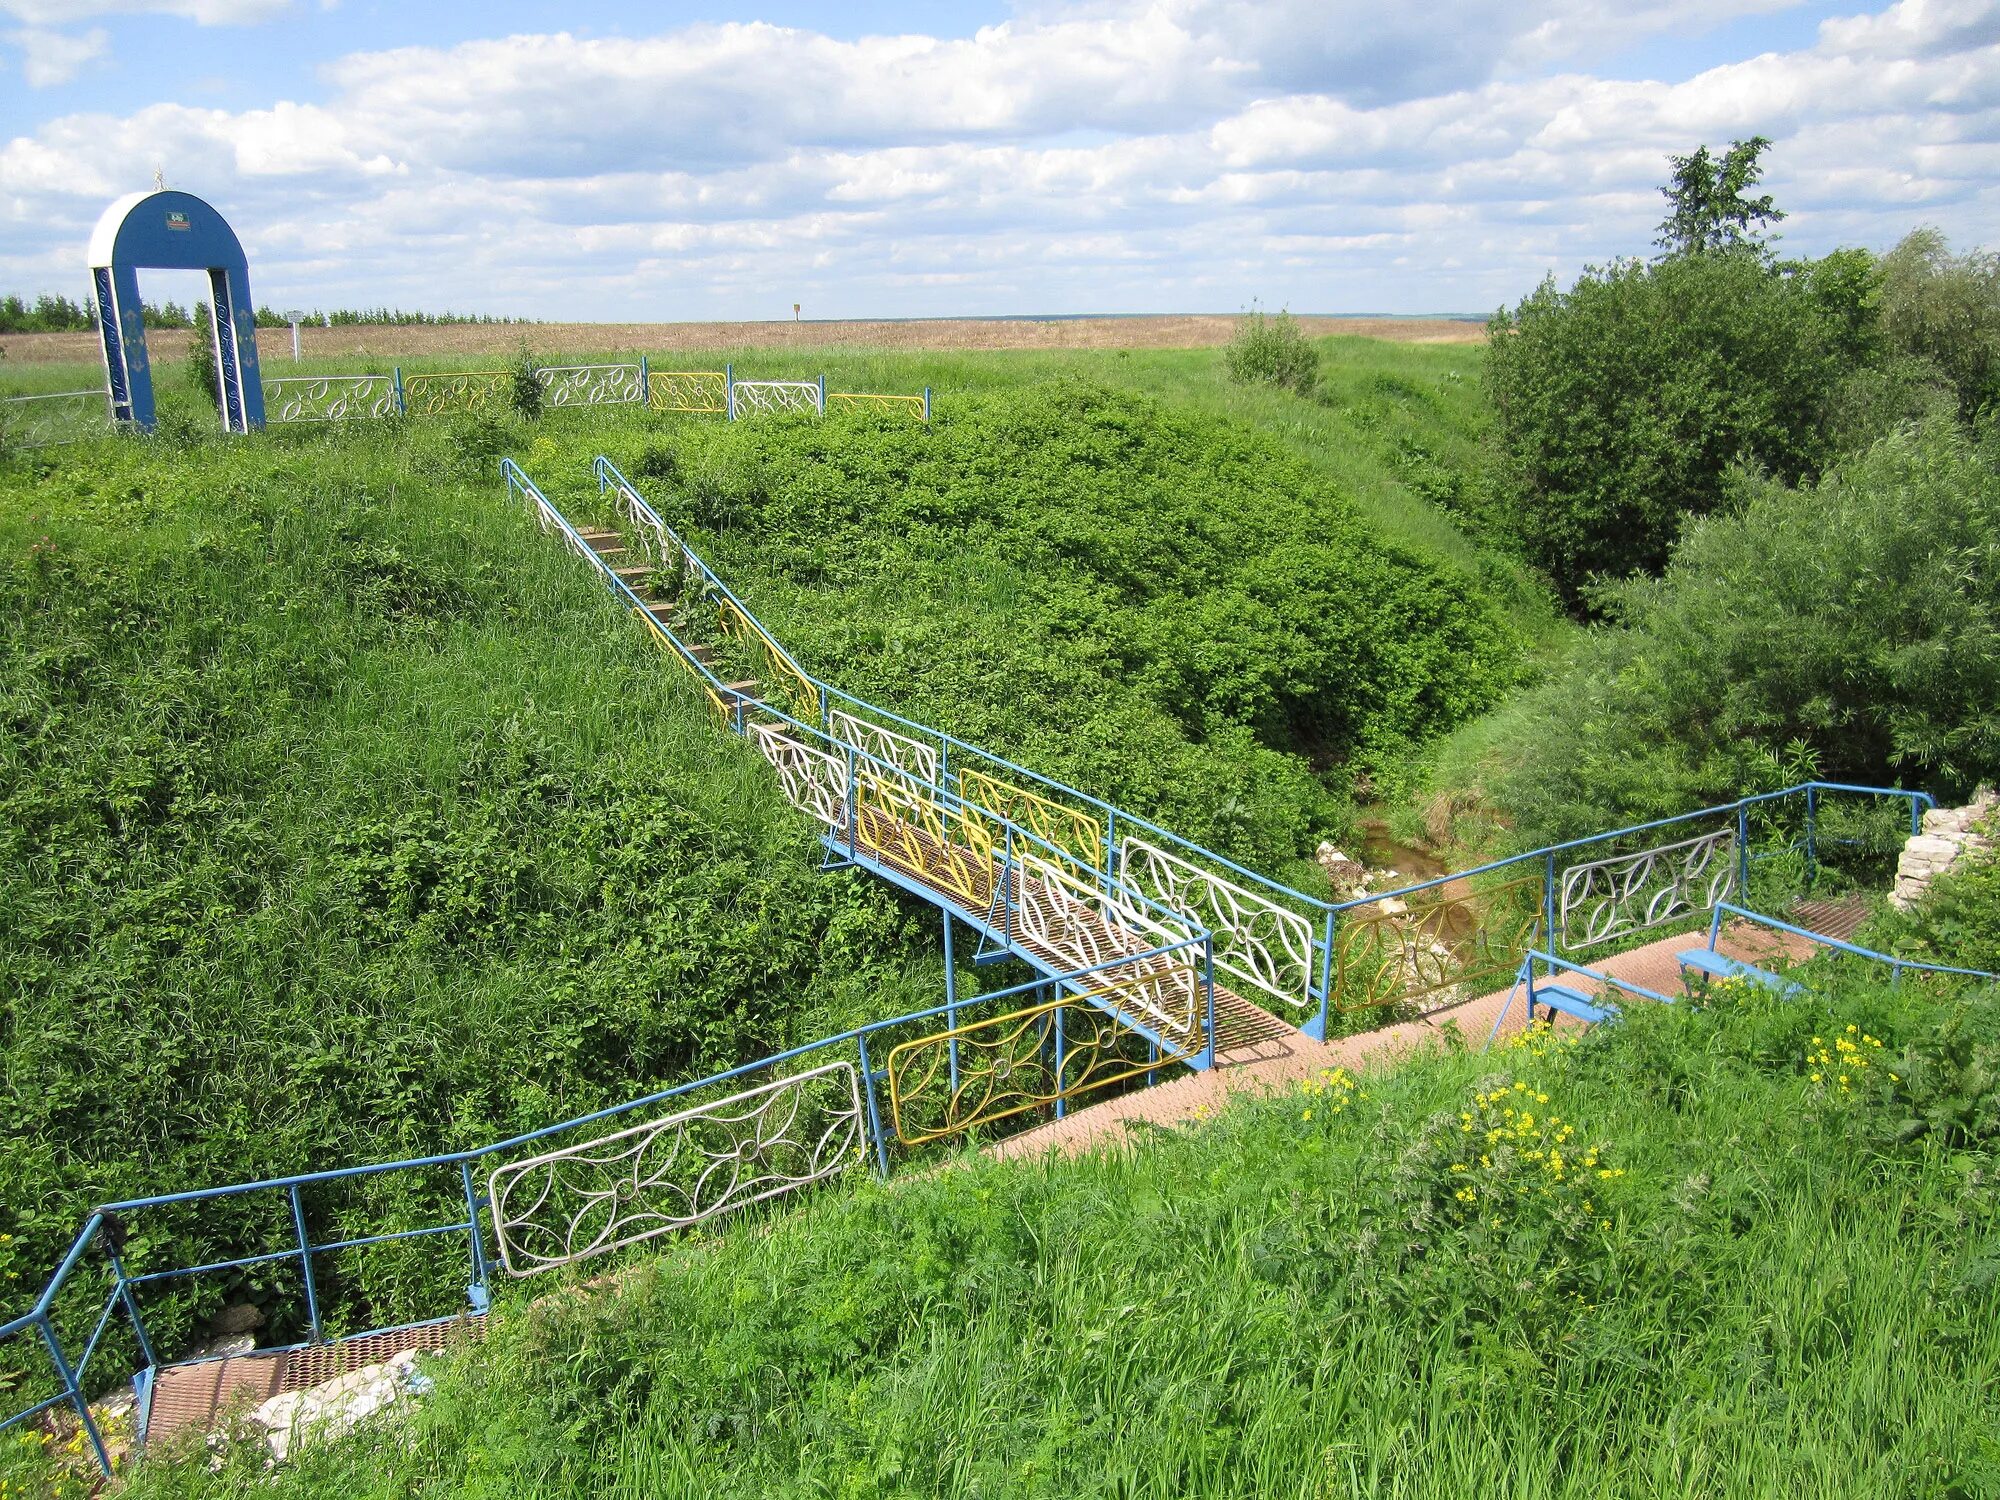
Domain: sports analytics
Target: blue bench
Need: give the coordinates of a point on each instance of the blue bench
(1570, 1002)
(1709, 964)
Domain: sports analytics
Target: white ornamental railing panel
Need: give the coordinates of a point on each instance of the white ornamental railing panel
(1610, 898)
(776, 395)
(329, 398)
(1256, 940)
(670, 1174)
(591, 385)
(813, 781)
(49, 421)
(911, 757)
(1081, 928)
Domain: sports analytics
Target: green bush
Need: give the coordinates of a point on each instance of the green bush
(345, 819)
(524, 389)
(1856, 620)
(1162, 609)
(203, 373)
(1273, 351)
(1622, 404)
(1945, 309)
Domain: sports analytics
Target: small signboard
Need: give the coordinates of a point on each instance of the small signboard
(177, 219)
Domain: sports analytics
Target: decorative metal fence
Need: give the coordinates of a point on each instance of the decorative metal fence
(592, 385)
(798, 396)
(52, 420)
(336, 398)
(458, 392)
(333, 398)
(689, 390)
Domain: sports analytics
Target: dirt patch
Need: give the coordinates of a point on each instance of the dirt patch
(935, 334)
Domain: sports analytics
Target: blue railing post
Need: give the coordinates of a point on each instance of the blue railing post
(1062, 1105)
(75, 1392)
(306, 1263)
(1007, 883)
(1812, 835)
(729, 387)
(950, 996)
(1316, 1029)
(1917, 800)
(874, 1110)
(822, 395)
(927, 403)
(852, 819)
(478, 1293)
(1208, 990)
(131, 1307)
(1549, 902)
(645, 383)
(1743, 850)
(401, 408)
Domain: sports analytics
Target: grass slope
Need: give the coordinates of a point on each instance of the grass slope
(1676, 1258)
(345, 819)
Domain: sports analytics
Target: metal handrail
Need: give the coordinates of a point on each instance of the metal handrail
(1896, 964)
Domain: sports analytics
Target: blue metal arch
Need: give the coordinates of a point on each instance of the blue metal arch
(168, 230)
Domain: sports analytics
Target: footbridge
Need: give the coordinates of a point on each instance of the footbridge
(1158, 966)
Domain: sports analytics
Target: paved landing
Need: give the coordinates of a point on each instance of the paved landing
(1278, 1063)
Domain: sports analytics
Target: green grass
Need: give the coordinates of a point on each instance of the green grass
(1771, 1300)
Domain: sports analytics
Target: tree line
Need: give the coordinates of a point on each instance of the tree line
(54, 313)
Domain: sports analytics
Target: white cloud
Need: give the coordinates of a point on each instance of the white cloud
(1168, 154)
(203, 12)
(49, 58)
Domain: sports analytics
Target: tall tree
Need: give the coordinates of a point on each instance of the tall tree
(1709, 209)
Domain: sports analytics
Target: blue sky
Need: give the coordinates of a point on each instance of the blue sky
(685, 161)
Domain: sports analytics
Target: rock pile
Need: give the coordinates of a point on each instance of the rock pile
(1948, 834)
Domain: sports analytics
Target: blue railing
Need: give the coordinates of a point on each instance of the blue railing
(109, 1224)
(1018, 841)
(1896, 964)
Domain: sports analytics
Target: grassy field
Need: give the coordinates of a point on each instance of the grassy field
(452, 341)
(1677, 1258)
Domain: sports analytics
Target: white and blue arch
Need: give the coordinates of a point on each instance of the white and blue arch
(173, 231)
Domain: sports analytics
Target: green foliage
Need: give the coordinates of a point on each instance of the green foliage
(524, 391)
(1623, 403)
(1958, 921)
(1945, 309)
(1057, 575)
(1858, 617)
(1707, 208)
(203, 372)
(1732, 1315)
(346, 820)
(1273, 351)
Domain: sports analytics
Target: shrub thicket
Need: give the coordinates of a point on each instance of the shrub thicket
(344, 819)
(1945, 309)
(1163, 609)
(1623, 403)
(1856, 620)
(1273, 351)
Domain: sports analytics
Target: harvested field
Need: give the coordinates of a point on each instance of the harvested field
(426, 340)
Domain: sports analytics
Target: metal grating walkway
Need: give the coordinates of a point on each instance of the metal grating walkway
(197, 1396)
